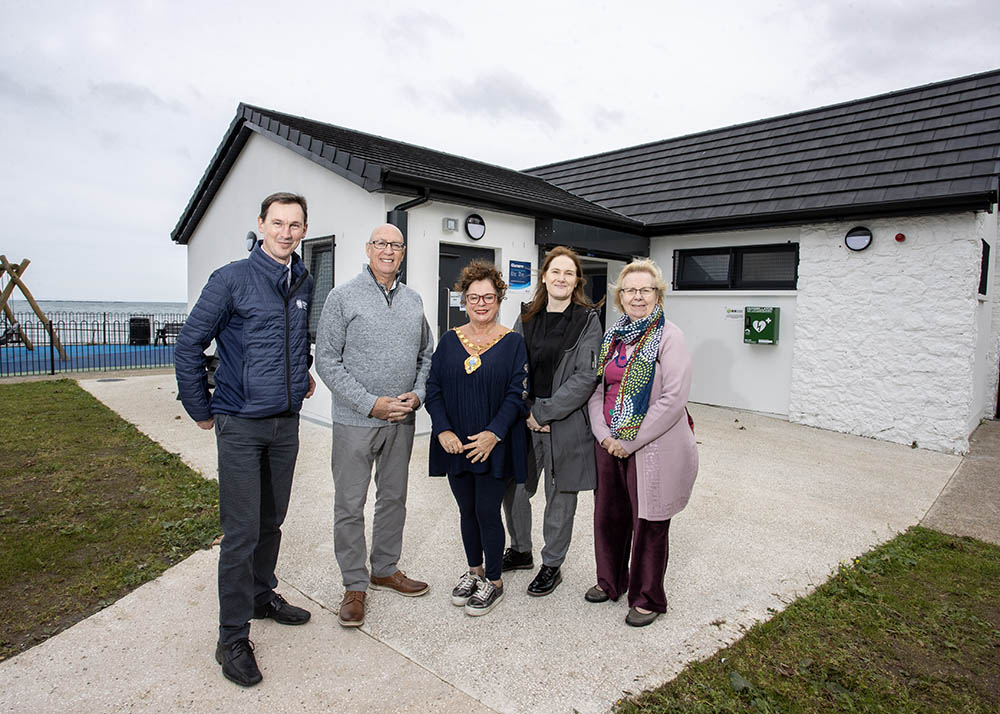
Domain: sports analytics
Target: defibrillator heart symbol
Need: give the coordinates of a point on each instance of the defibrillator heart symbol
(759, 325)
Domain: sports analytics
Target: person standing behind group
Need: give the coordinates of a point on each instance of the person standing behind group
(647, 459)
(562, 332)
(257, 311)
(476, 398)
(373, 351)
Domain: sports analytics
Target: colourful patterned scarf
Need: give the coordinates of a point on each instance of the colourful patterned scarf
(637, 381)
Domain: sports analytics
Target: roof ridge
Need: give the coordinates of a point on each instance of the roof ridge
(264, 110)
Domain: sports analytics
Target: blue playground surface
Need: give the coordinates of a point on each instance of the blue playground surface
(17, 360)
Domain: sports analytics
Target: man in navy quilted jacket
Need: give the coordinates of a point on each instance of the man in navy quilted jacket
(257, 312)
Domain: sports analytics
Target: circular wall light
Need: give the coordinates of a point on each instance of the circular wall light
(858, 238)
(475, 226)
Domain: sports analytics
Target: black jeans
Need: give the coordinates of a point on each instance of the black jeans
(256, 462)
(479, 497)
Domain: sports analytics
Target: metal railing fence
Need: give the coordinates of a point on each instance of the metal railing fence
(89, 341)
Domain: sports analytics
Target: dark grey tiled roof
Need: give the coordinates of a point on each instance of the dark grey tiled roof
(928, 148)
(380, 164)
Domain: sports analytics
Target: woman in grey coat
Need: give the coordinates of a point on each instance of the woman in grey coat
(562, 331)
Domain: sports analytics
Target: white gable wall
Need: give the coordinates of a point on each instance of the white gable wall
(725, 371)
(886, 338)
(988, 325)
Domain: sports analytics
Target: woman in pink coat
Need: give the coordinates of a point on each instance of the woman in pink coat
(647, 459)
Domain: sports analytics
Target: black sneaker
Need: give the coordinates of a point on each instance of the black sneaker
(516, 560)
(465, 589)
(486, 598)
(238, 663)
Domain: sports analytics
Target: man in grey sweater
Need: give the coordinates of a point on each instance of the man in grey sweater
(373, 351)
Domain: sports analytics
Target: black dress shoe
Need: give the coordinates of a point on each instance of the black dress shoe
(546, 581)
(238, 663)
(516, 560)
(595, 594)
(281, 612)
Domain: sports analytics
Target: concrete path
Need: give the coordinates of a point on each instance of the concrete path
(776, 507)
(970, 504)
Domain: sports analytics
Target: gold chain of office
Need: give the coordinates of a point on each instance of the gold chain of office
(474, 362)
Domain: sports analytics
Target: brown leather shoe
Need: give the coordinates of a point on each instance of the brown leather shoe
(352, 609)
(401, 584)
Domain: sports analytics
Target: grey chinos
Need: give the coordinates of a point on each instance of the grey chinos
(560, 507)
(356, 449)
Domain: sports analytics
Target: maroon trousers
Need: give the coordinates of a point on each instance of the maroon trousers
(621, 537)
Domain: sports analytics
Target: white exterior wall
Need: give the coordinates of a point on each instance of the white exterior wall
(725, 371)
(988, 353)
(511, 237)
(886, 338)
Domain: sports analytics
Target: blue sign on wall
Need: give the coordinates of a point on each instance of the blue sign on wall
(519, 274)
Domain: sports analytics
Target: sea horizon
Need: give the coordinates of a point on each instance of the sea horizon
(98, 307)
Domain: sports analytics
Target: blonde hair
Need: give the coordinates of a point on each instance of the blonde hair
(643, 265)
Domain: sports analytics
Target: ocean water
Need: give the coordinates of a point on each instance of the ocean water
(55, 308)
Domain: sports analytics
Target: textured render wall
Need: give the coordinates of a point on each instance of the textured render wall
(885, 339)
(991, 359)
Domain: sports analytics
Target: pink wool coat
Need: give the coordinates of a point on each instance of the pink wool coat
(666, 456)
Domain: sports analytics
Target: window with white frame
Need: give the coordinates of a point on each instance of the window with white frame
(763, 267)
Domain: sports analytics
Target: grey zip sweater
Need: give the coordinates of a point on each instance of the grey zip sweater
(372, 343)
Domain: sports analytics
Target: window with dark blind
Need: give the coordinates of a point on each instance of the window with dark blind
(770, 267)
(318, 256)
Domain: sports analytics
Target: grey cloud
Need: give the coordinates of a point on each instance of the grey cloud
(920, 38)
(417, 28)
(132, 96)
(605, 119)
(19, 93)
(500, 95)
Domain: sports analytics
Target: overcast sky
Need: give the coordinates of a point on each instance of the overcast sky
(112, 110)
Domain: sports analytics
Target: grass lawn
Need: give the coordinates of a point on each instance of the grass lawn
(90, 508)
(911, 626)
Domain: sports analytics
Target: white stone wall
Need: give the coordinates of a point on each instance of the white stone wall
(886, 338)
(991, 357)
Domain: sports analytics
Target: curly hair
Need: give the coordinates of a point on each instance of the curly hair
(481, 270)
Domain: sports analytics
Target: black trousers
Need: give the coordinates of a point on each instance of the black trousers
(479, 497)
(256, 462)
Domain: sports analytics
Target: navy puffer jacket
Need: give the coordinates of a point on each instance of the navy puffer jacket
(261, 331)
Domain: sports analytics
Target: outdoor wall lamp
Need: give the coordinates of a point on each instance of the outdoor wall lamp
(858, 238)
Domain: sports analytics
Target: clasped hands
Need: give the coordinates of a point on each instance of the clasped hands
(395, 409)
(479, 447)
(614, 447)
(535, 426)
